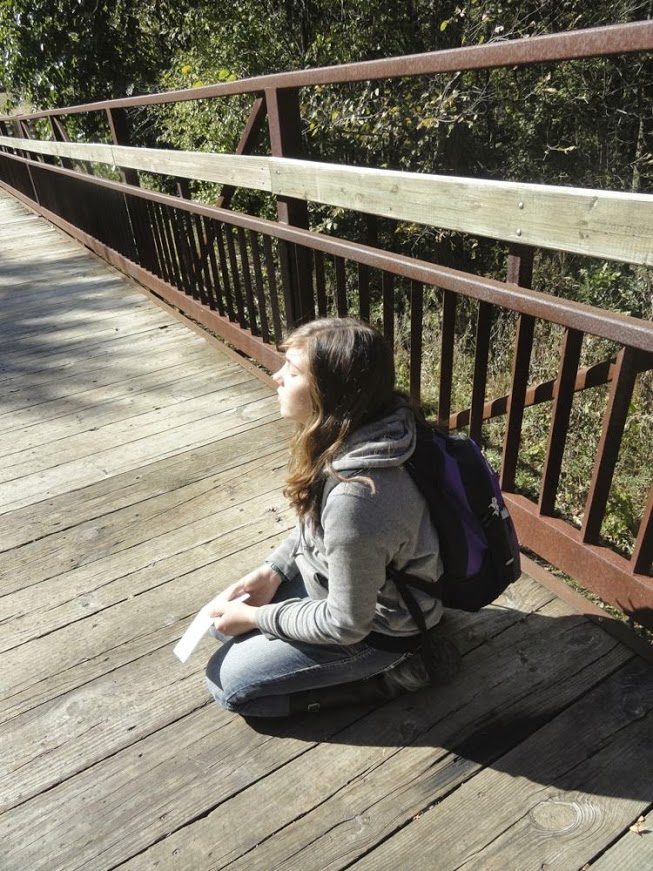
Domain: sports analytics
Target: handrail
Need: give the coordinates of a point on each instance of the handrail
(610, 325)
(592, 42)
(609, 224)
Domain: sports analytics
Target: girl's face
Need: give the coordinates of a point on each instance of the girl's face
(293, 387)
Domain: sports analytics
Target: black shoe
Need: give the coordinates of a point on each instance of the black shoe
(436, 664)
(441, 658)
(409, 675)
(371, 690)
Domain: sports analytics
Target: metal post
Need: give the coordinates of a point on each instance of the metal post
(138, 215)
(20, 134)
(245, 146)
(285, 140)
(520, 271)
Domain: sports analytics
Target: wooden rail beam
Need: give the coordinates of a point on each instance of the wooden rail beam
(611, 325)
(609, 224)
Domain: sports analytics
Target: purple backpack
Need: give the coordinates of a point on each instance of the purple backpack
(478, 544)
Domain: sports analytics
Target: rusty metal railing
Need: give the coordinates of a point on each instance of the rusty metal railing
(250, 279)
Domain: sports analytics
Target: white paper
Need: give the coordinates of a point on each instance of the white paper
(200, 624)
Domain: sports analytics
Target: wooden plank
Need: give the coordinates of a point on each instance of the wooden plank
(94, 291)
(66, 377)
(387, 792)
(76, 727)
(75, 351)
(64, 341)
(117, 624)
(112, 446)
(119, 528)
(633, 851)
(98, 409)
(48, 262)
(608, 224)
(27, 408)
(566, 829)
(44, 483)
(72, 574)
(186, 769)
(15, 219)
(193, 763)
(53, 742)
(53, 360)
(26, 282)
(35, 242)
(573, 759)
(116, 435)
(14, 232)
(100, 497)
(364, 781)
(160, 391)
(237, 170)
(582, 221)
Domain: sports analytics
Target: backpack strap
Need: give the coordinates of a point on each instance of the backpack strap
(403, 582)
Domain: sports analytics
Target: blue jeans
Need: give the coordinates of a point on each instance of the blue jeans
(255, 675)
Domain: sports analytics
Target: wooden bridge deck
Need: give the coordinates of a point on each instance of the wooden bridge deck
(141, 471)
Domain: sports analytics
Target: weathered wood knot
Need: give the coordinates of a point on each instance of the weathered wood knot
(560, 815)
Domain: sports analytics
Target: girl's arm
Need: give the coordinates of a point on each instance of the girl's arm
(235, 618)
(282, 558)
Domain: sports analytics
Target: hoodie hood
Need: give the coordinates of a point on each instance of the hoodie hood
(388, 441)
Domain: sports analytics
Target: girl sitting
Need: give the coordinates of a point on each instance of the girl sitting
(324, 624)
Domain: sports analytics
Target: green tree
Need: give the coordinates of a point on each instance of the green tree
(58, 53)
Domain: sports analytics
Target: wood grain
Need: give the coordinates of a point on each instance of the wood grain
(608, 224)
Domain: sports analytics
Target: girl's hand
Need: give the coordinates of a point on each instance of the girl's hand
(261, 585)
(234, 618)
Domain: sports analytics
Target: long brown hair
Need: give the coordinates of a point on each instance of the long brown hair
(351, 376)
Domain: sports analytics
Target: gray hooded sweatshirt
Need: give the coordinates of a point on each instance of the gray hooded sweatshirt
(363, 529)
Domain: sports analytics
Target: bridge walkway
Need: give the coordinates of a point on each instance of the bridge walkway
(141, 472)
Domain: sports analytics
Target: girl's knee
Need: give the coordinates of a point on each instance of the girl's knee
(228, 682)
(228, 701)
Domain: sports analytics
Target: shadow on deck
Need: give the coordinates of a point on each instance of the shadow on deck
(141, 473)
